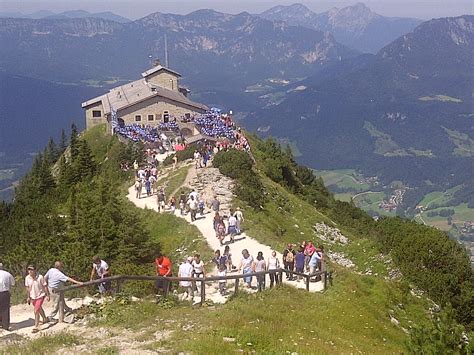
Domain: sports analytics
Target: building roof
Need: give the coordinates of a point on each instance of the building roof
(157, 69)
(137, 91)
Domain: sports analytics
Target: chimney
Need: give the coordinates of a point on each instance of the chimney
(156, 62)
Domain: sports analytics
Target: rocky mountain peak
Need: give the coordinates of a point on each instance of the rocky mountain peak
(355, 16)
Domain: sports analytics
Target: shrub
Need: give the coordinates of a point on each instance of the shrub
(237, 164)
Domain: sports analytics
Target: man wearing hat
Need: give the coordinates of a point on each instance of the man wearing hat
(6, 283)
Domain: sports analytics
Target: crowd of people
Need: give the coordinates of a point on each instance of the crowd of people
(139, 133)
(215, 124)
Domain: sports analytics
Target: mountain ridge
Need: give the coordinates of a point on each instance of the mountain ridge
(355, 26)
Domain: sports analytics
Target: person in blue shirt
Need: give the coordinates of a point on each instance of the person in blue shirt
(299, 261)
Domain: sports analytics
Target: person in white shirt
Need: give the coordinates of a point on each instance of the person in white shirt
(199, 272)
(240, 218)
(55, 279)
(36, 292)
(101, 269)
(193, 207)
(232, 229)
(6, 283)
(186, 270)
(273, 263)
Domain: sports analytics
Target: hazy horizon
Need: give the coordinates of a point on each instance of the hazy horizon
(140, 8)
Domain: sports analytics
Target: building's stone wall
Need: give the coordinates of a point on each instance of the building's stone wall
(155, 106)
(93, 121)
(164, 79)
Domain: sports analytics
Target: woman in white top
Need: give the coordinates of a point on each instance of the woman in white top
(273, 263)
(246, 265)
(199, 272)
(37, 291)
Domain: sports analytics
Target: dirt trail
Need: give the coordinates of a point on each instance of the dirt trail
(207, 182)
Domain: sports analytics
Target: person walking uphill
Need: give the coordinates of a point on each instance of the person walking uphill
(55, 279)
(6, 283)
(36, 292)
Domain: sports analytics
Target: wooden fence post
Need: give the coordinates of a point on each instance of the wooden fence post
(61, 307)
(307, 283)
(119, 286)
(167, 286)
(280, 276)
(236, 289)
(203, 292)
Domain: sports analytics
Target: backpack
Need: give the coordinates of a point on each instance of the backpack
(290, 257)
(223, 260)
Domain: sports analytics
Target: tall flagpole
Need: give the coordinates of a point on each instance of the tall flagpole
(166, 51)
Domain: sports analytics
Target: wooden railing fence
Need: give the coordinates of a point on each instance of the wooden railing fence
(120, 279)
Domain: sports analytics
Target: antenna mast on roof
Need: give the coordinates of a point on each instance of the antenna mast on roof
(166, 51)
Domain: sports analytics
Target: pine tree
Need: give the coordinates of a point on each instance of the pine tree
(63, 142)
(73, 146)
(84, 165)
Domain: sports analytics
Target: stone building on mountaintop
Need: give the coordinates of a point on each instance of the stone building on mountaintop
(157, 97)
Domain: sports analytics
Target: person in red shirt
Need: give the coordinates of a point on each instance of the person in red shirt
(163, 268)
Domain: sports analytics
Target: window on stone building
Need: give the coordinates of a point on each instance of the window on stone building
(151, 117)
(138, 118)
(96, 113)
(166, 116)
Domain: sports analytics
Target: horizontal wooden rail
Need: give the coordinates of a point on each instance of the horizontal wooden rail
(237, 276)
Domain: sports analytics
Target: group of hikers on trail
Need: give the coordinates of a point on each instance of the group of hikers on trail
(39, 288)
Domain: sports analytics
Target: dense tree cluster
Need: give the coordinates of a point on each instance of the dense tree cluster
(68, 208)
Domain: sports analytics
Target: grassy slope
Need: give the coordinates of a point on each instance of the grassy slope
(349, 317)
(352, 315)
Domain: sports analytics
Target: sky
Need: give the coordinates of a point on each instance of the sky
(133, 9)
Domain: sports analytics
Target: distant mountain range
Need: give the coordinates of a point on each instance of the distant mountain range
(243, 47)
(43, 14)
(355, 26)
(404, 114)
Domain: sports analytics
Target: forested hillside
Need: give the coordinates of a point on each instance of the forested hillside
(70, 207)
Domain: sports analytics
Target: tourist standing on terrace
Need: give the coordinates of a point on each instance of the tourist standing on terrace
(36, 292)
(6, 283)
